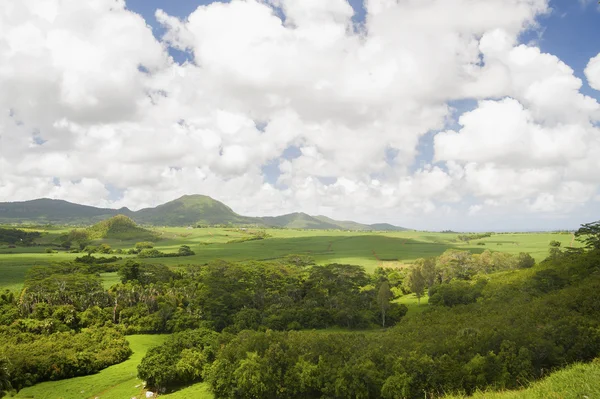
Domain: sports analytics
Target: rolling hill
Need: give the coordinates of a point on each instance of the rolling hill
(119, 227)
(189, 210)
(46, 210)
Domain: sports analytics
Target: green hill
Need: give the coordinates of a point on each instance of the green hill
(296, 221)
(350, 225)
(119, 227)
(46, 210)
(189, 210)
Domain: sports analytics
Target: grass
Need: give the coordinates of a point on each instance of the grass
(578, 381)
(110, 279)
(413, 305)
(367, 249)
(196, 391)
(115, 382)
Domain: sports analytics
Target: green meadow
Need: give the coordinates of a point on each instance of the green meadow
(367, 249)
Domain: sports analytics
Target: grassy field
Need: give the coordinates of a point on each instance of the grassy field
(367, 249)
(579, 381)
(115, 382)
(196, 391)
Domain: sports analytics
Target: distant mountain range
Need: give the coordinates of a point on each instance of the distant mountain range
(189, 210)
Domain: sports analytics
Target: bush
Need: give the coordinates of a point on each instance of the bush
(180, 360)
(144, 245)
(34, 358)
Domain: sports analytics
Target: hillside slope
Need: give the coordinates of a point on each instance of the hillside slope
(119, 227)
(296, 221)
(47, 210)
(189, 210)
(574, 382)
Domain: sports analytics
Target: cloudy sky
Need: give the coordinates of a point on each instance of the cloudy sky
(431, 114)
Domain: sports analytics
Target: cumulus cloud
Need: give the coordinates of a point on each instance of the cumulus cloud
(92, 104)
(592, 72)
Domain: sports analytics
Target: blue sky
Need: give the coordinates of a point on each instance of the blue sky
(362, 125)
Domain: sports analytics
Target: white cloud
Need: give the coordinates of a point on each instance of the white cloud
(592, 72)
(90, 82)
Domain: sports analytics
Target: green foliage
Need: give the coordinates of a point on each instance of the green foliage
(180, 360)
(589, 234)
(574, 382)
(33, 358)
(115, 382)
(508, 327)
(92, 260)
(456, 293)
(16, 236)
(145, 274)
(469, 237)
(144, 245)
(183, 250)
(62, 284)
(5, 384)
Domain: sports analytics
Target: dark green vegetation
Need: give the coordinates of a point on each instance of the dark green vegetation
(523, 324)
(267, 295)
(17, 236)
(189, 210)
(264, 324)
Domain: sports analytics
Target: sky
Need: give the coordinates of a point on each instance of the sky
(469, 115)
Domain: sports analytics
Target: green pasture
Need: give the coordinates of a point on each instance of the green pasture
(367, 249)
(115, 382)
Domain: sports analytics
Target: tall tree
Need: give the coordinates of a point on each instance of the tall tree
(415, 282)
(384, 297)
(589, 234)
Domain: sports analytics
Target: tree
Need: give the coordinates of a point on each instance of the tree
(589, 234)
(415, 282)
(4, 377)
(185, 250)
(525, 261)
(428, 270)
(144, 245)
(129, 271)
(383, 299)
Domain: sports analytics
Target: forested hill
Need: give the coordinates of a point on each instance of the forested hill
(189, 210)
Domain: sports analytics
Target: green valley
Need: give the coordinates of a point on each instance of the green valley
(248, 311)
